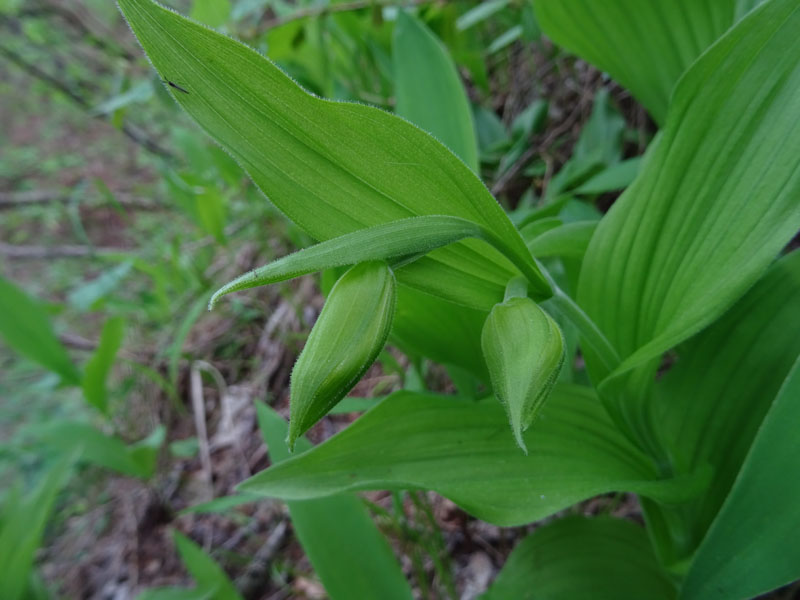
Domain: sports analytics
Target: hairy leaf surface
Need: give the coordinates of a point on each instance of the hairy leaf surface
(401, 239)
(331, 167)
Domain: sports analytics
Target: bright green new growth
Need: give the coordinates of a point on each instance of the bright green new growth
(346, 339)
(524, 352)
(399, 241)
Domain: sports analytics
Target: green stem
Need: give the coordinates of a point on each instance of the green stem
(588, 329)
(517, 288)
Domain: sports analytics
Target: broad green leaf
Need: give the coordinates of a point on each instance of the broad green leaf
(331, 167)
(751, 547)
(347, 551)
(208, 575)
(601, 558)
(646, 46)
(745, 6)
(346, 339)
(22, 527)
(709, 406)
(392, 242)
(428, 88)
(717, 199)
(96, 371)
(25, 327)
(462, 450)
(524, 351)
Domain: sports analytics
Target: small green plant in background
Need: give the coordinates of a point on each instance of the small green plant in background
(688, 258)
(652, 350)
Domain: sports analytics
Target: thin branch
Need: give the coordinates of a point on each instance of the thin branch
(75, 21)
(65, 251)
(10, 200)
(131, 131)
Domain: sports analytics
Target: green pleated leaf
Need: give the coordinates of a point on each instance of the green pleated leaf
(348, 553)
(600, 558)
(331, 167)
(97, 369)
(710, 405)
(393, 241)
(524, 351)
(717, 199)
(462, 450)
(752, 547)
(428, 89)
(26, 328)
(346, 339)
(646, 46)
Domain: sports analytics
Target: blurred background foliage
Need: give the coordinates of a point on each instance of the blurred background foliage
(123, 403)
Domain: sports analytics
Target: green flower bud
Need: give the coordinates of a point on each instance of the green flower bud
(346, 339)
(524, 350)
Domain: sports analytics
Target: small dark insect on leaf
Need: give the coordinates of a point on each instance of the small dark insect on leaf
(176, 86)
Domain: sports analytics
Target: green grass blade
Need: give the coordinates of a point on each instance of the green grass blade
(23, 526)
(347, 551)
(463, 451)
(207, 574)
(429, 91)
(25, 327)
(99, 366)
(600, 558)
